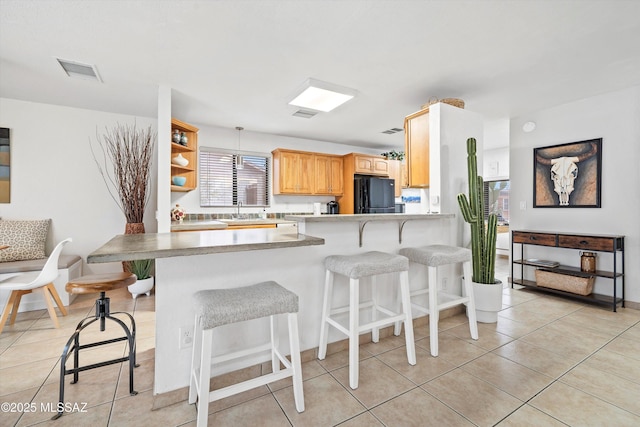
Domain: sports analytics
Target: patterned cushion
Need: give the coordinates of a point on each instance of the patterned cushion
(26, 239)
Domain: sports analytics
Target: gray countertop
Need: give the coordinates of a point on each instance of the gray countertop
(129, 247)
(366, 217)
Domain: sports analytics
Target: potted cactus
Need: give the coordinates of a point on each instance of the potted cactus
(487, 290)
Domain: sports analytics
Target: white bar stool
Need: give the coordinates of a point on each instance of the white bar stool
(434, 256)
(355, 267)
(217, 307)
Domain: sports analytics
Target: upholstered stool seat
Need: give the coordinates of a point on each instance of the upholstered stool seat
(89, 284)
(218, 307)
(356, 267)
(434, 256)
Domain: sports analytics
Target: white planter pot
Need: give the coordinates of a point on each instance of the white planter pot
(488, 299)
(143, 286)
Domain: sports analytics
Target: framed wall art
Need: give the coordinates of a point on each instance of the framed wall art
(568, 175)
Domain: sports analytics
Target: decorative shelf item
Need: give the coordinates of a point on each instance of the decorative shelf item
(179, 160)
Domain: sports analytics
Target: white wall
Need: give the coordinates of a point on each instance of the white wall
(614, 117)
(53, 175)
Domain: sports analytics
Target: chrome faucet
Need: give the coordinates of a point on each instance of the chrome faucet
(239, 206)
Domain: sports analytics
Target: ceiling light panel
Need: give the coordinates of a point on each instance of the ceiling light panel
(322, 96)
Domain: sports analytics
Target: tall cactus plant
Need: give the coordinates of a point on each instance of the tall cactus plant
(483, 242)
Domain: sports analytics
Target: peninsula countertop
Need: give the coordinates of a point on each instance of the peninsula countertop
(129, 247)
(366, 217)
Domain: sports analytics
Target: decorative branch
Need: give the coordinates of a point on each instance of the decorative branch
(125, 165)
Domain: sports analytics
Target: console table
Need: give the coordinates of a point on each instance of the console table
(587, 242)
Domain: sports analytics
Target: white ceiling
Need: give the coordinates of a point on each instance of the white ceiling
(237, 63)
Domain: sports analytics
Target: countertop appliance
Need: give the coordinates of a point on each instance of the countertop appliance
(332, 208)
(374, 195)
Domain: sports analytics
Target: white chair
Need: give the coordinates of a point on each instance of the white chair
(26, 283)
(218, 307)
(355, 267)
(434, 256)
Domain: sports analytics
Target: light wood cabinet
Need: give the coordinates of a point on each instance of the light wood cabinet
(416, 141)
(293, 172)
(396, 171)
(371, 165)
(329, 178)
(189, 152)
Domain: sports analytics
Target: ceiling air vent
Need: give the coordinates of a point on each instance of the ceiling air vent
(306, 114)
(392, 131)
(79, 70)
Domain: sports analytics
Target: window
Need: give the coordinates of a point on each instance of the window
(496, 200)
(223, 183)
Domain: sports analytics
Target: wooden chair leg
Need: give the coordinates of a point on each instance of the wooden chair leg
(52, 311)
(16, 305)
(56, 298)
(7, 309)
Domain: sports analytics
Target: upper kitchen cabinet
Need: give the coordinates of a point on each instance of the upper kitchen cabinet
(416, 134)
(293, 172)
(184, 155)
(329, 175)
(368, 165)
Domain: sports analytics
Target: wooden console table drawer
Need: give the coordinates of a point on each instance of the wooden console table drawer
(587, 243)
(543, 239)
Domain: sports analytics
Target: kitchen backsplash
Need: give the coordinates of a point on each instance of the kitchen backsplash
(214, 216)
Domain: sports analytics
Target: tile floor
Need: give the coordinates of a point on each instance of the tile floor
(547, 362)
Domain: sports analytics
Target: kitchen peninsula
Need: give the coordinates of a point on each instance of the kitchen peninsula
(193, 261)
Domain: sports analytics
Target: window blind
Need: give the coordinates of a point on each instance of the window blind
(225, 183)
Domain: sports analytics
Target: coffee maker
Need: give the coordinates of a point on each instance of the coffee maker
(333, 208)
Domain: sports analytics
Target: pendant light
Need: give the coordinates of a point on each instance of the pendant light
(239, 158)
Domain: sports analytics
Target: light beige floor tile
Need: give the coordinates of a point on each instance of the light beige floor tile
(633, 333)
(592, 336)
(571, 347)
(377, 383)
(528, 416)
(476, 400)
(418, 408)
(626, 347)
(362, 420)
(94, 388)
(327, 403)
(452, 349)
(536, 358)
(583, 318)
(452, 322)
(577, 408)
(623, 316)
(97, 416)
(136, 411)
(488, 338)
(142, 377)
(310, 370)
(341, 359)
(521, 314)
(513, 328)
(262, 411)
(616, 364)
(20, 354)
(235, 377)
(512, 297)
(617, 391)
(10, 415)
(7, 338)
(425, 369)
(25, 376)
(513, 378)
(385, 344)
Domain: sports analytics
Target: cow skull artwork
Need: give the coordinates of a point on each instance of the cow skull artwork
(564, 172)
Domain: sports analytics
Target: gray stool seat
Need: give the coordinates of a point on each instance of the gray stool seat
(437, 255)
(366, 264)
(217, 307)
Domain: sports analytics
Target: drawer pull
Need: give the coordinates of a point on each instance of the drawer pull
(583, 242)
(532, 237)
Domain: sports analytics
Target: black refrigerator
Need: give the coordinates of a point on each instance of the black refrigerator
(374, 195)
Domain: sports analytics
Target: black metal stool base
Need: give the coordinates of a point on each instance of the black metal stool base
(73, 345)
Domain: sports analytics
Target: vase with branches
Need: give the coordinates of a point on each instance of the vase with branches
(124, 160)
(124, 156)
